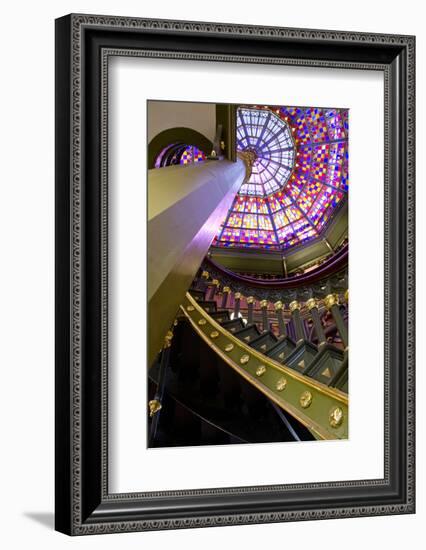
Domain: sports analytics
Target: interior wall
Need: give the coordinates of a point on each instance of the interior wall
(163, 115)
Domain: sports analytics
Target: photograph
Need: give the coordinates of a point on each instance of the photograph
(247, 253)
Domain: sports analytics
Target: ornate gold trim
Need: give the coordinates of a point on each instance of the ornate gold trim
(214, 334)
(250, 300)
(205, 274)
(331, 300)
(264, 303)
(306, 399)
(335, 417)
(226, 289)
(245, 359)
(311, 303)
(154, 406)
(237, 296)
(229, 347)
(202, 322)
(260, 371)
(294, 305)
(168, 339)
(281, 384)
(278, 305)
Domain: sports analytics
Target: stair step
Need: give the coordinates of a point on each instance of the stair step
(264, 342)
(209, 306)
(221, 315)
(326, 364)
(282, 349)
(197, 294)
(248, 333)
(341, 379)
(234, 325)
(302, 356)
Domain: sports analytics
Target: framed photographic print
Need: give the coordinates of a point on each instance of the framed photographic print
(219, 188)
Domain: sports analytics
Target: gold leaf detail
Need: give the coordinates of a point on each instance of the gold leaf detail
(335, 417)
(245, 359)
(305, 399)
(281, 384)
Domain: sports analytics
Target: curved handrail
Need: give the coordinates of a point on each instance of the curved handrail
(330, 267)
(312, 403)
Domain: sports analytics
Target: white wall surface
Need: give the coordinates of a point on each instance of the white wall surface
(27, 273)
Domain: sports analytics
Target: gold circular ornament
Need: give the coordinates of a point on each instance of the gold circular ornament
(260, 370)
(264, 303)
(281, 384)
(245, 359)
(294, 305)
(229, 347)
(278, 305)
(214, 334)
(226, 289)
(311, 303)
(335, 417)
(202, 322)
(205, 275)
(250, 300)
(305, 399)
(154, 406)
(190, 308)
(168, 339)
(331, 300)
(237, 295)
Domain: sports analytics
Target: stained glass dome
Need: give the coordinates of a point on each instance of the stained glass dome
(297, 176)
(265, 142)
(179, 153)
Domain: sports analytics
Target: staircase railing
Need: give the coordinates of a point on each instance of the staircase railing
(322, 409)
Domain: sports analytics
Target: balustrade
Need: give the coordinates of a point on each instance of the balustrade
(298, 313)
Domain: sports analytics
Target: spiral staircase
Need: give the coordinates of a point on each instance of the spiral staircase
(239, 369)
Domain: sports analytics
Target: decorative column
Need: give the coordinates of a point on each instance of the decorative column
(250, 306)
(264, 308)
(312, 305)
(279, 306)
(331, 302)
(297, 320)
(225, 293)
(237, 298)
(188, 205)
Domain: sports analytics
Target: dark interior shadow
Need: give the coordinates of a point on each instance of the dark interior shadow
(44, 518)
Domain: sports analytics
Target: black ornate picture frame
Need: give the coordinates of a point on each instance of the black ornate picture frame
(84, 43)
